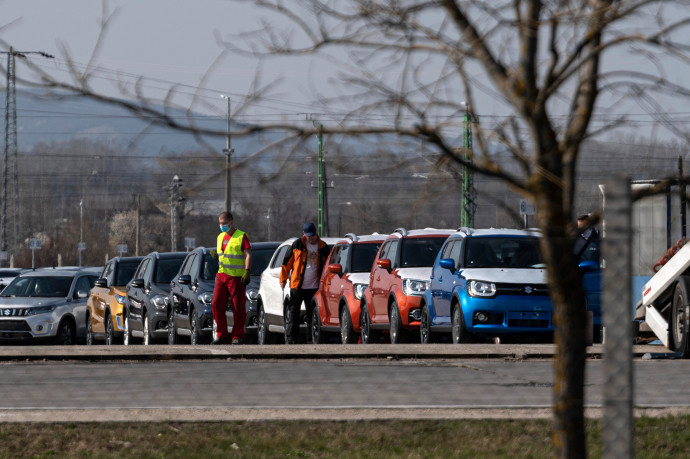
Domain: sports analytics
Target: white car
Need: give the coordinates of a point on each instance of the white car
(272, 300)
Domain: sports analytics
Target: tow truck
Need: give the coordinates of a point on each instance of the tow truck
(664, 308)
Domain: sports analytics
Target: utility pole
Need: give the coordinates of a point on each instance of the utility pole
(174, 199)
(322, 190)
(11, 143)
(228, 152)
(468, 193)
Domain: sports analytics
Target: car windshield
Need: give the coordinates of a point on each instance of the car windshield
(420, 252)
(166, 268)
(125, 272)
(363, 257)
(260, 260)
(210, 268)
(34, 286)
(503, 252)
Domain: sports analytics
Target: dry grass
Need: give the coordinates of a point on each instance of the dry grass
(655, 437)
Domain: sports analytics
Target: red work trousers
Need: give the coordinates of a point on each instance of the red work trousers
(229, 288)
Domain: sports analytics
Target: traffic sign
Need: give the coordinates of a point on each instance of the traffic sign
(189, 243)
(34, 244)
(81, 246)
(526, 207)
(122, 248)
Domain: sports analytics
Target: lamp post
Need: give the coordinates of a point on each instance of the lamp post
(228, 150)
(174, 199)
(81, 230)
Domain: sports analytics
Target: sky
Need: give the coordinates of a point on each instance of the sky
(167, 42)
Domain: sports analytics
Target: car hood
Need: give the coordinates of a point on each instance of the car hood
(414, 273)
(359, 278)
(507, 276)
(205, 286)
(23, 302)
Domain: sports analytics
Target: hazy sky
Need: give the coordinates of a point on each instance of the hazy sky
(168, 42)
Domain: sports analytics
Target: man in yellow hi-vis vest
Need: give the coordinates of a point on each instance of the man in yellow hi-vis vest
(234, 264)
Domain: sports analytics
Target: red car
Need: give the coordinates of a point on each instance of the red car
(399, 277)
(345, 277)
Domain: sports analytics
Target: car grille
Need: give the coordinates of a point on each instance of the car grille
(14, 325)
(528, 319)
(14, 312)
(522, 289)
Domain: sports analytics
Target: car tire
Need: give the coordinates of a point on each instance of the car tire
(397, 333)
(318, 336)
(287, 317)
(458, 330)
(147, 331)
(426, 336)
(263, 336)
(172, 330)
(66, 333)
(127, 338)
(109, 332)
(195, 337)
(89, 331)
(680, 328)
(347, 332)
(368, 335)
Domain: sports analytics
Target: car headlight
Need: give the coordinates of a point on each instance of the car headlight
(252, 295)
(159, 301)
(481, 288)
(120, 299)
(205, 297)
(359, 290)
(41, 310)
(415, 286)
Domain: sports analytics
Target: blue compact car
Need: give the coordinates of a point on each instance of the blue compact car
(488, 283)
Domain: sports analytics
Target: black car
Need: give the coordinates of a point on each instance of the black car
(147, 297)
(191, 292)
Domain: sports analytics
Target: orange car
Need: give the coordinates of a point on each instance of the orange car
(104, 308)
(338, 300)
(399, 277)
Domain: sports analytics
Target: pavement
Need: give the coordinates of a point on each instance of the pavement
(23, 353)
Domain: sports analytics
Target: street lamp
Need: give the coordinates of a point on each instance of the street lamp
(228, 151)
(175, 185)
(80, 248)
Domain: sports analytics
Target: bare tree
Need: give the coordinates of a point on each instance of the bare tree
(420, 65)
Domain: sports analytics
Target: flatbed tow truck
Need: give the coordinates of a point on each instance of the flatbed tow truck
(664, 309)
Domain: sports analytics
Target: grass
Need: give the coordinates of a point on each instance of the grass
(654, 438)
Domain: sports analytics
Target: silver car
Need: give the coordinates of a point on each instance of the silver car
(46, 305)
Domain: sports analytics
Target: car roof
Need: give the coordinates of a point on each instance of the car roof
(119, 259)
(57, 272)
(167, 254)
(266, 244)
(402, 232)
(352, 238)
(483, 232)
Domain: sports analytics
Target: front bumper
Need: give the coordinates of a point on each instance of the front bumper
(508, 315)
(40, 326)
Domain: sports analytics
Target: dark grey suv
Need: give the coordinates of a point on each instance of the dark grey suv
(147, 297)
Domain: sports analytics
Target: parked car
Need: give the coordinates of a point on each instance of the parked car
(147, 303)
(272, 300)
(590, 267)
(398, 279)
(7, 275)
(488, 283)
(46, 305)
(106, 304)
(191, 292)
(261, 257)
(338, 302)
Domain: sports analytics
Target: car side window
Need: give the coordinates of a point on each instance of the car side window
(393, 253)
(278, 259)
(83, 285)
(148, 273)
(335, 255)
(108, 272)
(187, 266)
(142, 269)
(384, 250)
(345, 255)
(194, 268)
(447, 249)
(456, 253)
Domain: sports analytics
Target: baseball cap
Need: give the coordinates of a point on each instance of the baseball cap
(309, 229)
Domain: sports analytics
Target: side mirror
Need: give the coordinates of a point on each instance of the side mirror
(137, 283)
(335, 269)
(184, 279)
(384, 263)
(447, 263)
(589, 265)
(81, 294)
(102, 282)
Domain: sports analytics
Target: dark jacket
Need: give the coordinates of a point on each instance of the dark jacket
(296, 261)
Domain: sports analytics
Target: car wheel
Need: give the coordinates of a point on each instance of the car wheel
(172, 331)
(147, 332)
(109, 333)
(679, 318)
(347, 332)
(287, 318)
(263, 336)
(397, 332)
(368, 335)
(66, 333)
(318, 336)
(89, 331)
(425, 334)
(458, 330)
(195, 335)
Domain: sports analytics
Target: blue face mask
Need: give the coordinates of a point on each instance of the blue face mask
(224, 228)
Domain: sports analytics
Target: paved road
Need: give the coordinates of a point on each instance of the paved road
(352, 387)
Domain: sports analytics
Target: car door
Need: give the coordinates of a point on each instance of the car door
(381, 281)
(273, 294)
(179, 293)
(136, 297)
(83, 284)
(441, 279)
(329, 286)
(98, 298)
